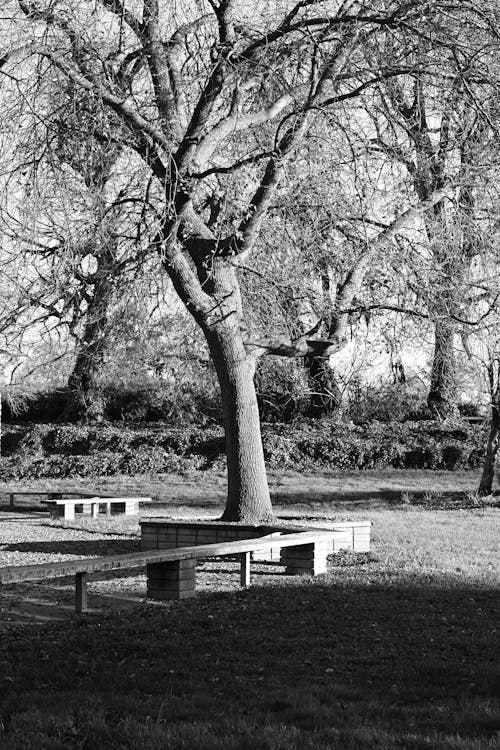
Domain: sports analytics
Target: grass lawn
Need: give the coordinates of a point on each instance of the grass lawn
(395, 649)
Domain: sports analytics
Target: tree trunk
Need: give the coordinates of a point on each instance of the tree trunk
(84, 400)
(486, 483)
(216, 307)
(326, 396)
(442, 396)
(248, 496)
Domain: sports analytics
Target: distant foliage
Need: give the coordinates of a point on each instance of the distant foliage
(66, 450)
(384, 401)
(148, 400)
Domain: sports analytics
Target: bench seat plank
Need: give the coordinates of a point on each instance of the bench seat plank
(14, 574)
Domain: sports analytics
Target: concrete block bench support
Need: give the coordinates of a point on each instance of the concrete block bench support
(308, 559)
(171, 580)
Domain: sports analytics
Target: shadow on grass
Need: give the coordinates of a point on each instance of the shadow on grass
(23, 508)
(301, 666)
(17, 518)
(82, 547)
(382, 497)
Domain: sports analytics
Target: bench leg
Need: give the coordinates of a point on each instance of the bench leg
(108, 509)
(245, 569)
(69, 511)
(81, 592)
(95, 510)
(11, 501)
(171, 580)
(306, 559)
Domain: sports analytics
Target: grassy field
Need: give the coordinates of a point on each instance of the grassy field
(395, 649)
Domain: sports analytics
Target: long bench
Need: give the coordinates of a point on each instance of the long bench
(171, 573)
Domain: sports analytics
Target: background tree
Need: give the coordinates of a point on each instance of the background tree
(434, 123)
(338, 246)
(79, 222)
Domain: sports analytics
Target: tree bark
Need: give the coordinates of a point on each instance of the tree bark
(442, 397)
(248, 497)
(486, 483)
(326, 396)
(84, 400)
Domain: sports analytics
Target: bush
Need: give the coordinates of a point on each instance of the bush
(148, 401)
(282, 391)
(45, 406)
(385, 402)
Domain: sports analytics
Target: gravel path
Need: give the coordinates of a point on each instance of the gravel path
(28, 540)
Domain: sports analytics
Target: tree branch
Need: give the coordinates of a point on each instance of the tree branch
(261, 200)
(287, 347)
(174, 48)
(118, 8)
(232, 167)
(136, 122)
(159, 67)
(236, 122)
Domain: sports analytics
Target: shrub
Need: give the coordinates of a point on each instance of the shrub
(384, 402)
(45, 406)
(148, 401)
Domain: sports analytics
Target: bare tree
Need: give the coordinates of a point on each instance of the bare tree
(79, 225)
(435, 126)
(229, 89)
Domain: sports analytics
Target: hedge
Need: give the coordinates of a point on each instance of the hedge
(47, 450)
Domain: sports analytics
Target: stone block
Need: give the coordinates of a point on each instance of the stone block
(171, 580)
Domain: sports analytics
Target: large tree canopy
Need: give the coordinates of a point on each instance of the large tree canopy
(214, 99)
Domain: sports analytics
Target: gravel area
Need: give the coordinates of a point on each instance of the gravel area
(28, 539)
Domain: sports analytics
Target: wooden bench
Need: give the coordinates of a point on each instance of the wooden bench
(91, 505)
(171, 573)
